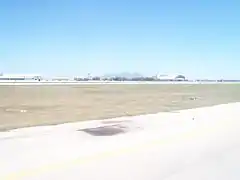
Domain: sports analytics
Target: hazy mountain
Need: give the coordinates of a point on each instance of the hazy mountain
(125, 75)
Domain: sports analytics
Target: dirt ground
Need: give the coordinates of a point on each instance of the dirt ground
(22, 106)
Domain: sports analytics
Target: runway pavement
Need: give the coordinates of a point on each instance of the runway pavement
(191, 144)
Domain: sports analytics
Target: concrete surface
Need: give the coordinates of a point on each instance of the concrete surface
(36, 83)
(191, 144)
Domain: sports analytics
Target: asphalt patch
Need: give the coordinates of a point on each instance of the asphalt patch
(105, 130)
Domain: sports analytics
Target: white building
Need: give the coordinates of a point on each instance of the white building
(18, 77)
(62, 78)
(170, 77)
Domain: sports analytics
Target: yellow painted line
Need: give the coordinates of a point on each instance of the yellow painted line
(27, 173)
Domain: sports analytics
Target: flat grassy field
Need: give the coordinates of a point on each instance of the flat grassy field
(22, 106)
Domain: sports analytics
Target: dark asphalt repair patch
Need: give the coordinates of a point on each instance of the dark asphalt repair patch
(106, 130)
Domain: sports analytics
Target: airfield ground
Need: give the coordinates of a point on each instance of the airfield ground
(22, 106)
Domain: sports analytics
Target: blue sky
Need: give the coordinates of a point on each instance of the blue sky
(54, 37)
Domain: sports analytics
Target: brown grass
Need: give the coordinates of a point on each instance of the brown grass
(41, 105)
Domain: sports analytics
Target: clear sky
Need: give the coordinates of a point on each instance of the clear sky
(54, 37)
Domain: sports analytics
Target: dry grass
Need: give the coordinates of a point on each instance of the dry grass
(22, 106)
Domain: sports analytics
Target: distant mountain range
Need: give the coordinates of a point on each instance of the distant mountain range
(124, 74)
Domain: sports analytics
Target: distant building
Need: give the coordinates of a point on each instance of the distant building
(61, 79)
(80, 78)
(19, 77)
(170, 78)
